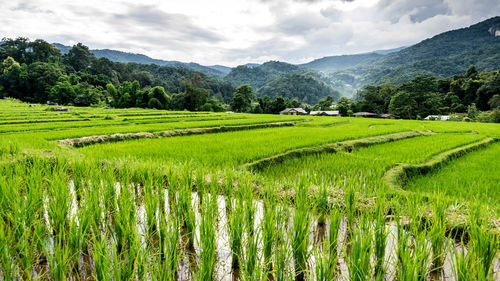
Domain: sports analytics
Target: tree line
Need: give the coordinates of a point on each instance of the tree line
(471, 93)
(36, 71)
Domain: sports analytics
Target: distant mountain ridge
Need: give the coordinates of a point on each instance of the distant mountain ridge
(443, 55)
(119, 56)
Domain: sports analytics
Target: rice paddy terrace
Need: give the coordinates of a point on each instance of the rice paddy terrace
(136, 194)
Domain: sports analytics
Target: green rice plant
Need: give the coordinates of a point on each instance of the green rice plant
(25, 255)
(323, 265)
(93, 200)
(268, 229)
(322, 204)
(251, 259)
(59, 202)
(463, 266)
(381, 232)
(126, 261)
(301, 226)
(207, 238)
(7, 260)
(333, 240)
(109, 192)
(186, 213)
(350, 210)
(151, 208)
(76, 241)
(236, 229)
(484, 245)
(165, 265)
(282, 257)
(250, 207)
(413, 255)
(437, 236)
(101, 257)
(125, 218)
(60, 258)
(358, 260)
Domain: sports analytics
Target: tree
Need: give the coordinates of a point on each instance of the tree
(472, 111)
(242, 98)
(240, 103)
(41, 78)
(11, 78)
(343, 105)
(326, 104)
(486, 91)
(158, 98)
(194, 96)
(494, 102)
(62, 92)
(278, 105)
(403, 104)
(79, 57)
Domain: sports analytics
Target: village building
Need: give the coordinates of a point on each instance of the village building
(62, 109)
(365, 114)
(389, 116)
(325, 113)
(293, 111)
(438, 117)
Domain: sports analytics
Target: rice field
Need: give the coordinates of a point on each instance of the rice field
(188, 208)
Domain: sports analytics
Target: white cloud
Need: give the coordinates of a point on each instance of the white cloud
(233, 32)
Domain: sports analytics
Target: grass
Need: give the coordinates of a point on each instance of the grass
(472, 178)
(149, 209)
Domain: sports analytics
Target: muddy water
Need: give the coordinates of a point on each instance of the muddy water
(189, 257)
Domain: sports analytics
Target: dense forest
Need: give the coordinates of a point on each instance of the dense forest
(443, 55)
(470, 92)
(36, 71)
(275, 79)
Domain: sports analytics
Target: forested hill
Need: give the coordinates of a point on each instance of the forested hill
(274, 78)
(336, 63)
(443, 55)
(119, 56)
(304, 88)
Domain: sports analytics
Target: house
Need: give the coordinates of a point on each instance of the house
(438, 117)
(365, 114)
(325, 113)
(62, 109)
(293, 111)
(389, 116)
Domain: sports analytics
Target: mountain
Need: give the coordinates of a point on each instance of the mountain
(335, 63)
(221, 68)
(444, 55)
(119, 56)
(388, 51)
(269, 79)
(304, 88)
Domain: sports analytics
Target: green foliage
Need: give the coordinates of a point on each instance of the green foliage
(37, 72)
(242, 98)
(305, 88)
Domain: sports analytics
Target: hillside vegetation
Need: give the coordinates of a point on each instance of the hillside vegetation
(270, 78)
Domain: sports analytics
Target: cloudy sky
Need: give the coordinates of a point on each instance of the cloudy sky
(233, 32)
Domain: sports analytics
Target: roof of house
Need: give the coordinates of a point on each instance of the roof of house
(296, 109)
(388, 115)
(438, 117)
(364, 114)
(327, 112)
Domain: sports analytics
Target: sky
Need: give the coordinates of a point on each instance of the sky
(234, 32)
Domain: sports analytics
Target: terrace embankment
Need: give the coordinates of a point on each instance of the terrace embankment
(85, 141)
(397, 177)
(346, 146)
